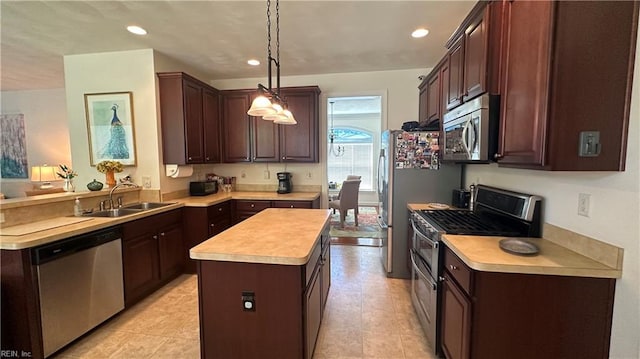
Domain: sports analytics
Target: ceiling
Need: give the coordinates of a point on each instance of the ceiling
(218, 37)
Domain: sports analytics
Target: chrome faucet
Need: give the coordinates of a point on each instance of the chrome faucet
(130, 184)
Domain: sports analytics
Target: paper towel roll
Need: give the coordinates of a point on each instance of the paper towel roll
(175, 171)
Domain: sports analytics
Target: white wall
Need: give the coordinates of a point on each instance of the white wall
(114, 72)
(46, 132)
(614, 217)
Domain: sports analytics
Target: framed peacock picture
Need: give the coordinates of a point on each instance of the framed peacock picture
(110, 127)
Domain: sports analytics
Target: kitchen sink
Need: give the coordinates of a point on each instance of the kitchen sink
(147, 205)
(116, 212)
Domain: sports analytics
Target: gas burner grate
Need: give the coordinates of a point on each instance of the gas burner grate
(469, 223)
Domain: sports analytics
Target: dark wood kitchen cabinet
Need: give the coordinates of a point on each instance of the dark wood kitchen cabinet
(252, 139)
(244, 208)
(152, 253)
(300, 142)
(509, 315)
(430, 108)
(562, 76)
(423, 101)
(289, 305)
(189, 119)
(456, 73)
(476, 47)
(202, 223)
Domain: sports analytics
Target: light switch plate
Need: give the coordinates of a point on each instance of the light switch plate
(589, 144)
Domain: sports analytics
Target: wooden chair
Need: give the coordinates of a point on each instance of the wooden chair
(347, 199)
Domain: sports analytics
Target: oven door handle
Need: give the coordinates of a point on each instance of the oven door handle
(433, 284)
(433, 244)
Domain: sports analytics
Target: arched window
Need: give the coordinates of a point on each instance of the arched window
(356, 159)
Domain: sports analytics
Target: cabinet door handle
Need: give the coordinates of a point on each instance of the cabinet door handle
(219, 209)
(498, 156)
(207, 158)
(284, 157)
(452, 267)
(247, 158)
(252, 205)
(292, 206)
(189, 158)
(161, 234)
(254, 158)
(442, 279)
(155, 237)
(212, 225)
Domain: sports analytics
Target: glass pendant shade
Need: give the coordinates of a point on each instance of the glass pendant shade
(261, 106)
(289, 120)
(277, 116)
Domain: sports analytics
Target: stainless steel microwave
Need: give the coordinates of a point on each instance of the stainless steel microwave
(471, 130)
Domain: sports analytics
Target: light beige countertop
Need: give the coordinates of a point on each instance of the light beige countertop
(50, 231)
(273, 236)
(483, 253)
(212, 199)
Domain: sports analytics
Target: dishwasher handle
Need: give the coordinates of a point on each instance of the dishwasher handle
(58, 249)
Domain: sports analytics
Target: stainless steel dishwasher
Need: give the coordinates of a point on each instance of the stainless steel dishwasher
(81, 285)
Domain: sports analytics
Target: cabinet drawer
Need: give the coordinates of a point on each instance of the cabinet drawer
(458, 270)
(292, 204)
(220, 210)
(252, 206)
(150, 224)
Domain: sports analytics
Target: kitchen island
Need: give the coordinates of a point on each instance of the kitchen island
(263, 284)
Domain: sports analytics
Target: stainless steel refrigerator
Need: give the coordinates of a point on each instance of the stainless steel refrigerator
(409, 171)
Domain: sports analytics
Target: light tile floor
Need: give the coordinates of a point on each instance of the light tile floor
(367, 316)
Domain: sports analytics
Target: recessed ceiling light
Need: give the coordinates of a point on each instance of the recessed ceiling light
(253, 62)
(420, 33)
(136, 30)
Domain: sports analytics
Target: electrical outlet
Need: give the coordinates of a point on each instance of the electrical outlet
(583, 204)
(146, 181)
(243, 174)
(267, 175)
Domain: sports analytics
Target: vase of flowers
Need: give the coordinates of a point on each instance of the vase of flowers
(109, 168)
(67, 174)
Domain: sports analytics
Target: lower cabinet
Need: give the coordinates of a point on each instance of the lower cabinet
(243, 208)
(152, 253)
(202, 223)
(526, 316)
(286, 313)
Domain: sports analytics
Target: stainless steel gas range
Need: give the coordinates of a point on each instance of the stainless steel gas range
(497, 212)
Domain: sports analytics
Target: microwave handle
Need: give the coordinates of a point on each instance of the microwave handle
(474, 128)
(464, 138)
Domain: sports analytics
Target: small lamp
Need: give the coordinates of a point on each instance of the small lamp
(44, 174)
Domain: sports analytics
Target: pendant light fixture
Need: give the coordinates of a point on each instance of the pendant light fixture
(269, 104)
(336, 150)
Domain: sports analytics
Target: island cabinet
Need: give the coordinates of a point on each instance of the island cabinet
(252, 139)
(201, 223)
(190, 123)
(264, 303)
(510, 315)
(566, 84)
(152, 253)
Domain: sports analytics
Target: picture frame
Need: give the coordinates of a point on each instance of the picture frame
(110, 127)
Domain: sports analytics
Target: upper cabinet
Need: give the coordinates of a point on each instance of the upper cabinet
(473, 55)
(469, 68)
(190, 119)
(566, 84)
(252, 139)
(300, 143)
